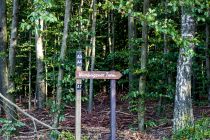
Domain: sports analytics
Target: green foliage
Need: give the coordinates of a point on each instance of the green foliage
(151, 123)
(51, 104)
(132, 97)
(199, 131)
(66, 135)
(8, 127)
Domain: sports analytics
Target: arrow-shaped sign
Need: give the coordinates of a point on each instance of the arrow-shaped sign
(98, 75)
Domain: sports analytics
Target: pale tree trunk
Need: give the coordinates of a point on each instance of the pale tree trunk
(142, 79)
(40, 82)
(13, 44)
(131, 36)
(208, 59)
(87, 48)
(4, 72)
(93, 43)
(3, 44)
(62, 57)
(88, 51)
(183, 112)
(46, 73)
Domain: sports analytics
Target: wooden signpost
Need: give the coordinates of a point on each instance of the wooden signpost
(78, 96)
(112, 75)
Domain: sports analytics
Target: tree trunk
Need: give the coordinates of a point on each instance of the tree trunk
(3, 44)
(40, 82)
(46, 72)
(62, 57)
(93, 42)
(142, 80)
(208, 60)
(167, 76)
(131, 35)
(29, 80)
(4, 72)
(183, 112)
(87, 52)
(13, 44)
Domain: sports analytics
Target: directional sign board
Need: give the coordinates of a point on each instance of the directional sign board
(98, 75)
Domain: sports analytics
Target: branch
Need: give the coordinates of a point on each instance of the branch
(26, 114)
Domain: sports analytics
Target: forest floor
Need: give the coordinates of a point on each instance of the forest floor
(96, 125)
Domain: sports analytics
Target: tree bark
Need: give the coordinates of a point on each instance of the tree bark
(40, 82)
(29, 75)
(142, 79)
(13, 44)
(131, 36)
(87, 51)
(4, 72)
(62, 57)
(3, 45)
(208, 59)
(93, 42)
(183, 112)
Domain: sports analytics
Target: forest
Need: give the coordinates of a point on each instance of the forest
(104, 69)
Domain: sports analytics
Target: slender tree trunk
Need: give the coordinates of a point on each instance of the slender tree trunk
(142, 80)
(3, 44)
(29, 80)
(208, 59)
(40, 82)
(88, 51)
(131, 35)
(46, 73)
(13, 44)
(93, 42)
(112, 36)
(183, 112)
(29, 75)
(111, 39)
(167, 76)
(62, 57)
(4, 72)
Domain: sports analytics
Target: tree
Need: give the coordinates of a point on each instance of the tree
(40, 82)
(13, 44)
(142, 79)
(61, 58)
(207, 58)
(183, 112)
(93, 43)
(3, 43)
(131, 37)
(7, 74)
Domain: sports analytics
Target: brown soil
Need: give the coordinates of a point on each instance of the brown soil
(96, 125)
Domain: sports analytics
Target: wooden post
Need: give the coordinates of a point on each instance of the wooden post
(78, 96)
(113, 109)
(79, 74)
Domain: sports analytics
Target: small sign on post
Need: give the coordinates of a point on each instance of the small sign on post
(78, 96)
(98, 75)
(112, 75)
